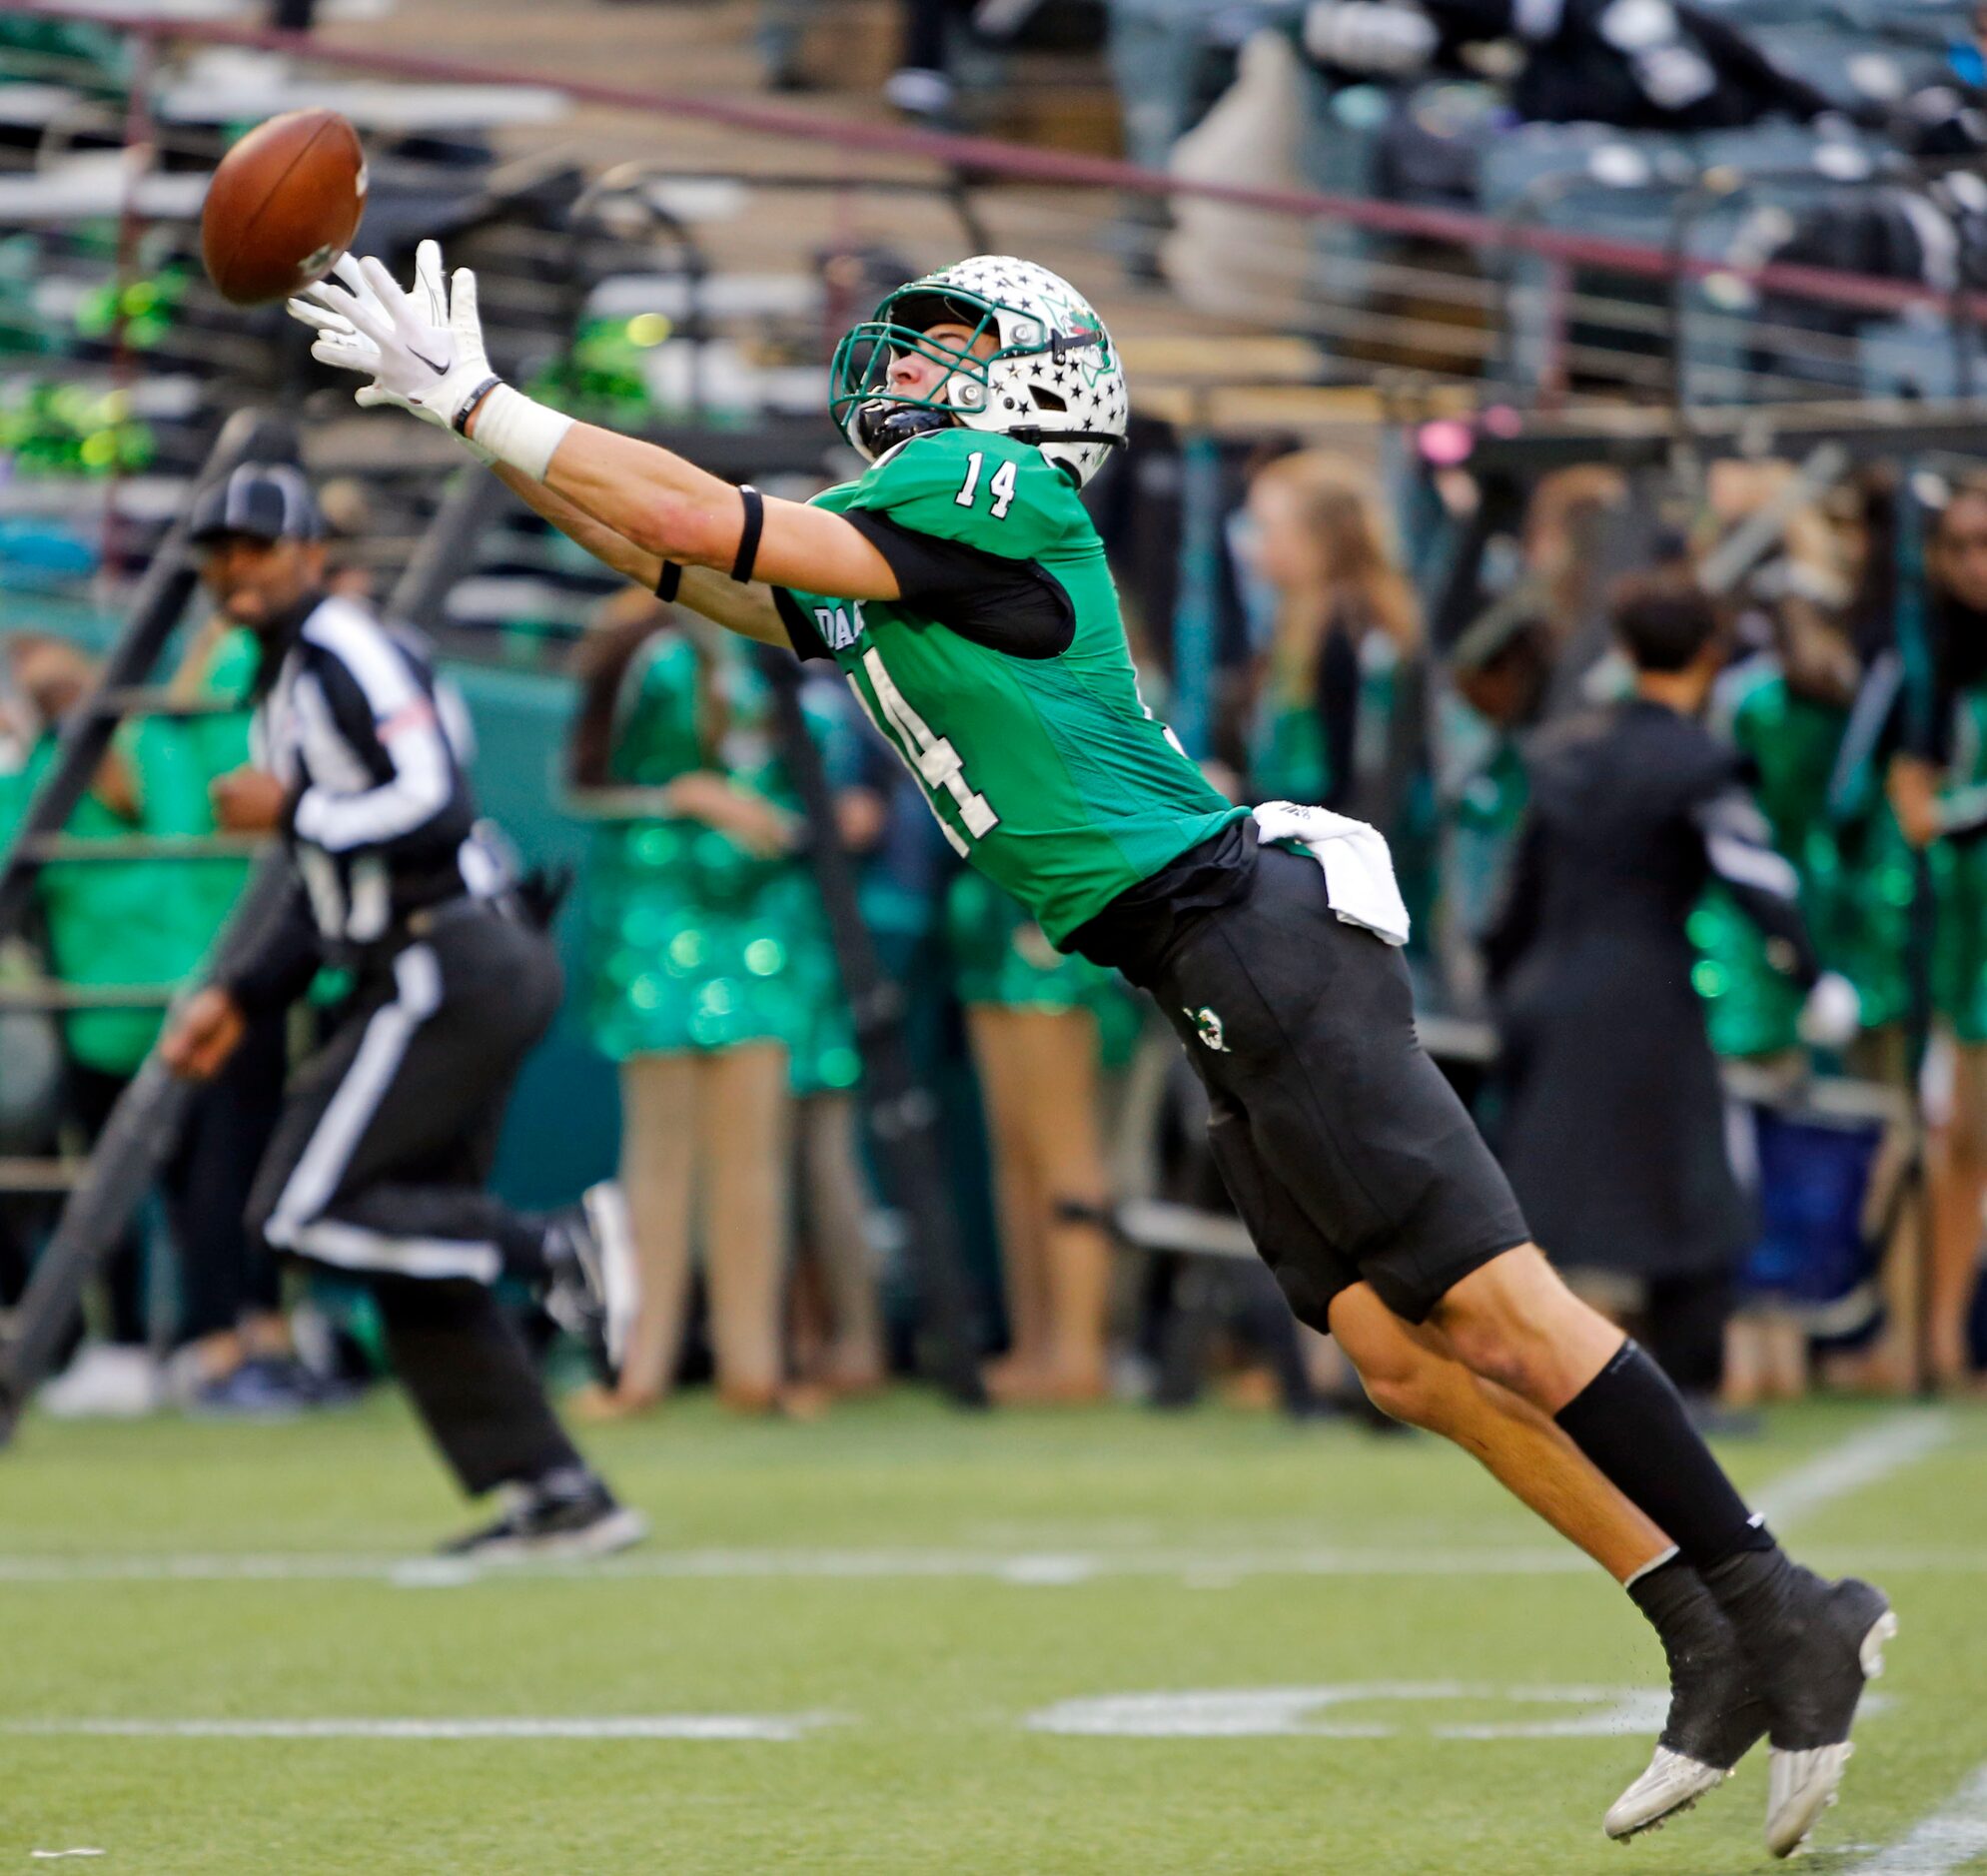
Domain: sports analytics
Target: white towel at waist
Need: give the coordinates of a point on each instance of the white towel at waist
(1359, 870)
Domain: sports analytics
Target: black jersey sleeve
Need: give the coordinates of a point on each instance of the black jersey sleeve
(1015, 607)
(801, 631)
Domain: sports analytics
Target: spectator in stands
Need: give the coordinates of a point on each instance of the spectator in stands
(1169, 60)
(1527, 649)
(781, 32)
(1653, 65)
(238, 1357)
(113, 926)
(692, 985)
(1043, 1026)
(1938, 789)
(1334, 715)
(922, 85)
(839, 1326)
(1614, 1138)
(1784, 708)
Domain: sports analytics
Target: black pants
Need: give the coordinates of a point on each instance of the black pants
(1685, 1328)
(226, 1272)
(92, 1092)
(1346, 1152)
(378, 1169)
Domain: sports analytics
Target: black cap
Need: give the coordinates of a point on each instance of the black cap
(267, 501)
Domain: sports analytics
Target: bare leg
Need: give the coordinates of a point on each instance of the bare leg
(659, 1097)
(742, 1125)
(1515, 1323)
(854, 1360)
(1017, 1191)
(1959, 1184)
(1891, 1365)
(1410, 1374)
(1058, 1051)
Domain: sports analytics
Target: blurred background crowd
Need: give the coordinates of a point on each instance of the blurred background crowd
(1627, 379)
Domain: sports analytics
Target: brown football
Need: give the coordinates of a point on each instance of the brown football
(283, 205)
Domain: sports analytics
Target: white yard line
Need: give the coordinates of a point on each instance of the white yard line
(1865, 1458)
(725, 1726)
(1953, 1836)
(1042, 1569)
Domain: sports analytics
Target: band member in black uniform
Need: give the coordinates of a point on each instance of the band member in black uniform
(1615, 1137)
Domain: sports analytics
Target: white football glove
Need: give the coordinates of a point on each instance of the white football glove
(341, 343)
(434, 365)
(431, 367)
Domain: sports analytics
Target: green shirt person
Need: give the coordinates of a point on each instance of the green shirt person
(121, 923)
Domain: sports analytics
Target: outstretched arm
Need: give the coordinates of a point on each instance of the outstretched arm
(746, 610)
(425, 353)
(669, 507)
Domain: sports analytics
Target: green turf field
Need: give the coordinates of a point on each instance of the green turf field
(906, 1629)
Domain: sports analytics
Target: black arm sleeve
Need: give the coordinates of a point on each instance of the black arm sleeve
(1015, 607)
(801, 631)
(273, 965)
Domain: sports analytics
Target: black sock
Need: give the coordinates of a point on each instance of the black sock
(1672, 1596)
(1630, 1423)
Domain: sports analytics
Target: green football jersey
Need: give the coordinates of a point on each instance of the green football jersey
(1049, 774)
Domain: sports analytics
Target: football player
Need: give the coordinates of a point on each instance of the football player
(962, 590)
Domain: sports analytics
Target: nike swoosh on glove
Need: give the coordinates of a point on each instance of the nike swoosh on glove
(434, 365)
(342, 344)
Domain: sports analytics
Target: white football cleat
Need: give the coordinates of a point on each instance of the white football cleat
(1670, 1786)
(1801, 1784)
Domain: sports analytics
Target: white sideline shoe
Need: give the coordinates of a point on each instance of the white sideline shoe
(104, 1381)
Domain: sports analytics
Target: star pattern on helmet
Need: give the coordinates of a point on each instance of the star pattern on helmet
(1033, 309)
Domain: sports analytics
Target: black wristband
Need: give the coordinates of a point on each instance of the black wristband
(748, 541)
(667, 582)
(468, 409)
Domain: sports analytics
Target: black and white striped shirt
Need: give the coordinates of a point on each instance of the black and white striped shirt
(371, 747)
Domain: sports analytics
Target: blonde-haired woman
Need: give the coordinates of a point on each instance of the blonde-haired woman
(1337, 689)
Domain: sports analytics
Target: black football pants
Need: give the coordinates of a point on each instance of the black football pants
(378, 1169)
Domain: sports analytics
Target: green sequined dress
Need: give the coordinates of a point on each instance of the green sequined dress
(1855, 876)
(1002, 959)
(1751, 1008)
(692, 942)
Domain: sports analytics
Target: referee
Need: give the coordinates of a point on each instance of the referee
(388, 1134)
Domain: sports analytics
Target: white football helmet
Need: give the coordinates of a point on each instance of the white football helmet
(1053, 380)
